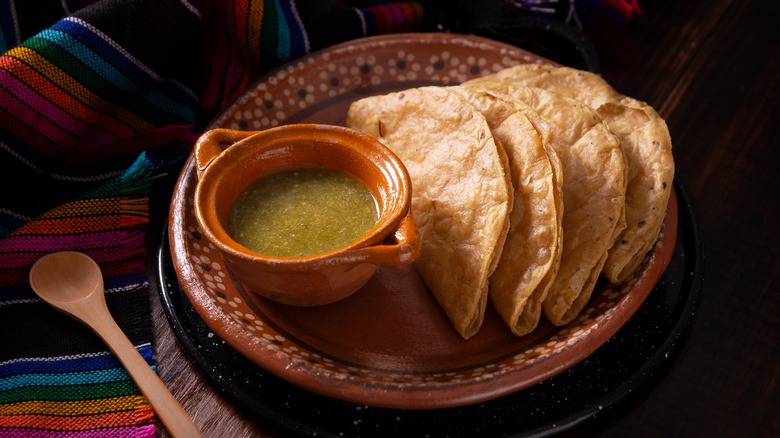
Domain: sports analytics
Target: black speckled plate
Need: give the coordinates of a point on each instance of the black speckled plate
(630, 360)
(389, 345)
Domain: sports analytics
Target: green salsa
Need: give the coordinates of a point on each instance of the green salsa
(302, 212)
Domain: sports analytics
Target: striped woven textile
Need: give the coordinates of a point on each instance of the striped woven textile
(56, 376)
(96, 98)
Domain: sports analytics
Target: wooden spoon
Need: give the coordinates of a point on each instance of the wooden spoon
(72, 283)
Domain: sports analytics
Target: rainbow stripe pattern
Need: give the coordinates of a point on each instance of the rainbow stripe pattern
(73, 385)
(78, 395)
(392, 17)
(96, 98)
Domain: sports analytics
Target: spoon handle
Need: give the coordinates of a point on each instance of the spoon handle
(168, 410)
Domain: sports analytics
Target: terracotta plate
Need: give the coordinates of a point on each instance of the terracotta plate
(390, 344)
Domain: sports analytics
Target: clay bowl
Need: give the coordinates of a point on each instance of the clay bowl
(228, 161)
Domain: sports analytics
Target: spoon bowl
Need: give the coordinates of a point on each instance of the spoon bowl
(66, 277)
(72, 283)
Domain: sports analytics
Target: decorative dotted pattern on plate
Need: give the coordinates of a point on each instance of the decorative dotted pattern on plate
(329, 75)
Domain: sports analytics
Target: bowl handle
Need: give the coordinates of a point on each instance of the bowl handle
(212, 143)
(402, 252)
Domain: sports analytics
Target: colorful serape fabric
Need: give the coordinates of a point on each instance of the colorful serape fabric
(55, 376)
(95, 98)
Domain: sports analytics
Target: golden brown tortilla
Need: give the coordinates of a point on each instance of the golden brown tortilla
(647, 144)
(581, 85)
(594, 184)
(461, 193)
(650, 176)
(531, 253)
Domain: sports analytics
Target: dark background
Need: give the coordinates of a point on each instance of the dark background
(711, 68)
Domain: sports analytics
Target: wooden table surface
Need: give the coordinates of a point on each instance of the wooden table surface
(712, 70)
